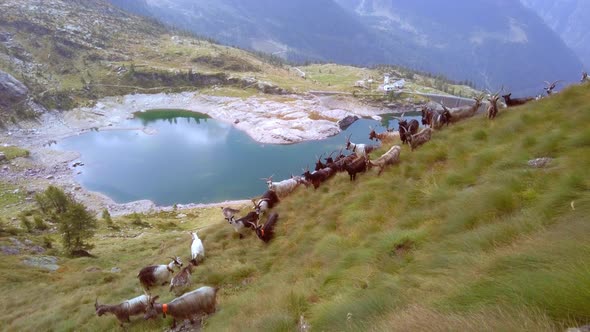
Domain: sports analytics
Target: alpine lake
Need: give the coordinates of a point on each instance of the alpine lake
(192, 158)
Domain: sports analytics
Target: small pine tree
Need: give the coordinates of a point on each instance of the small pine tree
(53, 201)
(77, 225)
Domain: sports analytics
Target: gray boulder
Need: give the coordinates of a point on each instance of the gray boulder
(12, 91)
(540, 162)
(347, 121)
(43, 262)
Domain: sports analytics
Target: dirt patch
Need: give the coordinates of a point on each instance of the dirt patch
(402, 249)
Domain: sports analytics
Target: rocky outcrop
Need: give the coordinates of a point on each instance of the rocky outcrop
(42, 262)
(347, 121)
(12, 91)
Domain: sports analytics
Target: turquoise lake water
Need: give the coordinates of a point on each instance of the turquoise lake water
(194, 159)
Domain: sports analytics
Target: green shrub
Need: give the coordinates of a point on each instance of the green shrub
(26, 223)
(39, 223)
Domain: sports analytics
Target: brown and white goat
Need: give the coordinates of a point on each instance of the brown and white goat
(493, 106)
(228, 213)
(516, 101)
(359, 165)
(182, 280)
(266, 202)
(188, 306)
(359, 149)
(387, 136)
(155, 275)
(123, 310)
(420, 138)
(388, 158)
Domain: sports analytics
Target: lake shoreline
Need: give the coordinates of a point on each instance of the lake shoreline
(264, 119)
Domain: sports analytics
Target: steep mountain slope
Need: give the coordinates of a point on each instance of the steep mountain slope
(492, 43)
(461, 235)
(569, 18)
(298, 29)
(73, 52)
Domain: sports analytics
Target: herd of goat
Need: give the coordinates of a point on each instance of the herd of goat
(203, 300)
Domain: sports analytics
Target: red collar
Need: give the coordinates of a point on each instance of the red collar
(164, 308)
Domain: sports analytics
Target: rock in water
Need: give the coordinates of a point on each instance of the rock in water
(12, 91)
(347, 121)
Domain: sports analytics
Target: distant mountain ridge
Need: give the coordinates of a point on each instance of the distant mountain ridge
(569, 19)
(492, 43)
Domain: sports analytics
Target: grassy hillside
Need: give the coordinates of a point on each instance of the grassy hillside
(461, 235)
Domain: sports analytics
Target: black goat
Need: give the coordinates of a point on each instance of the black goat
(359, 165)
(516, 101)
(266, 202)
(340, 164)
(407, 128)
(317, 177)
(266, 232)
(248, 221)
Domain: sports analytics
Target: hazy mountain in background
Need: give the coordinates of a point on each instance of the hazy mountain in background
(490, 42)
(493, 42)
(570, 19)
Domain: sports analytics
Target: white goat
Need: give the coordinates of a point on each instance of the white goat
(123, 310)
(361, 150)
(282, 188)
(157, 274)
(197, 249)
